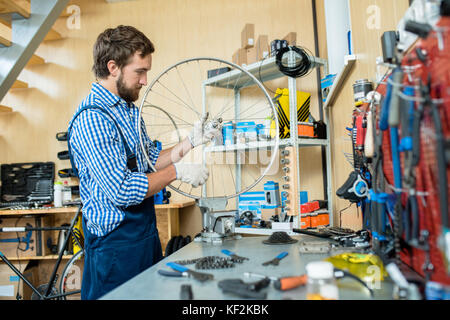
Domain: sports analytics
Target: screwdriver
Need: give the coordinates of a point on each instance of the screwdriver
(282, 283)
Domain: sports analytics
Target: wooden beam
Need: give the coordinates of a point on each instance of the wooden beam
(35, 60)
(4, 109)
(19, 85)
(5, 42)
(10, 6)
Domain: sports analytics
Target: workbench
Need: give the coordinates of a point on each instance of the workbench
(149, 285)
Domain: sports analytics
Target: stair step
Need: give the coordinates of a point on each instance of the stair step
(11, 6)
(52, 35)
(5, 42)
(19, 85)
(4, 109)
(35, 60)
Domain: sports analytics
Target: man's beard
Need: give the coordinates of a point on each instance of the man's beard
(127, 94)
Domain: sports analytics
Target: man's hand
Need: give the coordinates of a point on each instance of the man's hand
(201, 134)
(194, 174)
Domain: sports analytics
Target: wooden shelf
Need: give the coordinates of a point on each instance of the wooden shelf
(175, 205)
(339, 81)
(51, 257)
(38, 211)
(21, 212)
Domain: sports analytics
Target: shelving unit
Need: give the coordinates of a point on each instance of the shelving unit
(169, 213)
(267, 70)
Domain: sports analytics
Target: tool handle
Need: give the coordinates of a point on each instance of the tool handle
(415, 232)
(227, 252)
(394, 112)
(282, 255)
(170, 273)
(289, 283)
(369, 145)
(177, 267)
(384, 125)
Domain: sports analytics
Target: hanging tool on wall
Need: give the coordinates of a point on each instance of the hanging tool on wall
(27, 239)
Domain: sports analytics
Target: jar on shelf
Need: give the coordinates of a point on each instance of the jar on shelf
(321, 283)
(57, 195)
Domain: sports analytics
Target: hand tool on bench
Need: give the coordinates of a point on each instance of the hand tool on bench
(282, 283)
(234, 257)
(244, 290)
(175, 274)
(276, 260)
(200, 276)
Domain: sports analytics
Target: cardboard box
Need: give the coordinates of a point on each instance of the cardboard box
(323, 219)
(305, 221)
(306, 129)
(248, 36)
(262, 47)
(240, 57)
(9, 280)
(251, 56)
(31, 243)
(266, 213)
(291, 38)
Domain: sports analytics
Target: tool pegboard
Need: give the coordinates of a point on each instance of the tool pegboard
(412, 135)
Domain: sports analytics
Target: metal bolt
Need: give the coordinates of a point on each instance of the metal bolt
(286, 186)
(286, 178)
(284, 161)
(286, 169)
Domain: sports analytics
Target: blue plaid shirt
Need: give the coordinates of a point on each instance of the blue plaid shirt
(107, 186)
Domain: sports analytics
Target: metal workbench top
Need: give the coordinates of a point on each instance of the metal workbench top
(149, 285)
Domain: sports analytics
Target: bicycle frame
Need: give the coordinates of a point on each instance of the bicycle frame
(51, 281)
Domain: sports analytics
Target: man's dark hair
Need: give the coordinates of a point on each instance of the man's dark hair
(119, 44)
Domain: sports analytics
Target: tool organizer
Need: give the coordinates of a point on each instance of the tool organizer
(27, 184)
(417, 90)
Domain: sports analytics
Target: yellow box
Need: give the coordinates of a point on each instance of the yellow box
(281, 102)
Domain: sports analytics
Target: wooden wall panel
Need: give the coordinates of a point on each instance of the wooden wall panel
(179, 29)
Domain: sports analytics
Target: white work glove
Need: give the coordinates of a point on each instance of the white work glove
(194, 174)
(202, 134)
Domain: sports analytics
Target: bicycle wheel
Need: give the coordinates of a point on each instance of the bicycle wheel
(191, 88)
(71, 277)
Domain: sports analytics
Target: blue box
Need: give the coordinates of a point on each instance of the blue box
(272, 194)
(303, 197)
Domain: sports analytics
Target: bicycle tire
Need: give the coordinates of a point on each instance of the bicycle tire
(67, 272)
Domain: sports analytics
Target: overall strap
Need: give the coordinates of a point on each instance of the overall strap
(131, 157)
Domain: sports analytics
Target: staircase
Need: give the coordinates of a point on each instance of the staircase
(30, 23)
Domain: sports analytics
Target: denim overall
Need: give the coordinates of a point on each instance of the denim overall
(128, 250)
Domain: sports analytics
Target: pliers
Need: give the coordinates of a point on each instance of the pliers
(200, 276)
(276, 260)
(234, 257)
